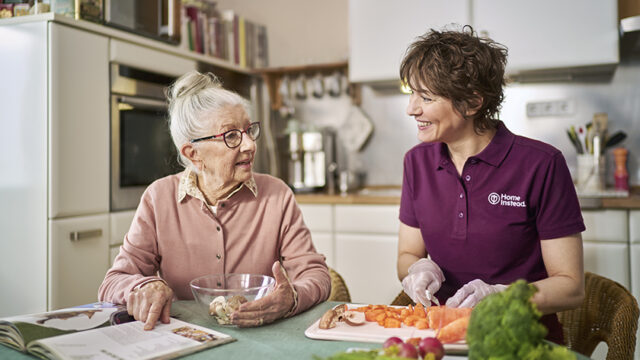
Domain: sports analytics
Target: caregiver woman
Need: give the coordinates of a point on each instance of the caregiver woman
(481, 207)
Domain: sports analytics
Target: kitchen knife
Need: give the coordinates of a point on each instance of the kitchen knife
(615, 139)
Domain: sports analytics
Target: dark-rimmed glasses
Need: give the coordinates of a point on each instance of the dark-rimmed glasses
(233, 138)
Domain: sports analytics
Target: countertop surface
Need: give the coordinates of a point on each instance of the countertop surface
(391, 196)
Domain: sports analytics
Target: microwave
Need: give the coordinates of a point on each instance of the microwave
(158, 19)
(141, 146)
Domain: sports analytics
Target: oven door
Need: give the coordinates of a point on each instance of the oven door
(141, 148)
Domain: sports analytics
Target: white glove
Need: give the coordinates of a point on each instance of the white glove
(472, 292)
(424, 274)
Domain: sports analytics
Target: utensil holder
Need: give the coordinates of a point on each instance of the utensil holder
(590, 173)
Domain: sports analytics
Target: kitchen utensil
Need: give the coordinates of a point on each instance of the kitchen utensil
(356, 129)
(318, 86)
(301, 87)
(333, 84)
(431, 298)
(615, 139)
(573, 138)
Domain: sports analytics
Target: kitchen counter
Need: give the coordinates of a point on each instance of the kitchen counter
(391, 196)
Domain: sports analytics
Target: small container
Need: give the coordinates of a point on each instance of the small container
(225, 287)
(590, 173)
(64, 7)
(621, 176)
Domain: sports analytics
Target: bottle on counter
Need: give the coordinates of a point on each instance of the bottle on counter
(621, 176)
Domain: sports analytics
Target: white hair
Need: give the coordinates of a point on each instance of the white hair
(191, 97)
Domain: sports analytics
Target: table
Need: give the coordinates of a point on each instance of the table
(281, 340)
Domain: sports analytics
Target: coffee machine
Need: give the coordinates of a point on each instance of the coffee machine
(308, 158)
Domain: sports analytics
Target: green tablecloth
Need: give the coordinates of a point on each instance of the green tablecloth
(281, 340)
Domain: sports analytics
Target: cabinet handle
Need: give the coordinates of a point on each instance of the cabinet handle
(83, 235)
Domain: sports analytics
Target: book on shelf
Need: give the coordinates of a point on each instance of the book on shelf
(94, 331)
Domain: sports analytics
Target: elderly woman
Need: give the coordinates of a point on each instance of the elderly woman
(481, 207)
(217, 216)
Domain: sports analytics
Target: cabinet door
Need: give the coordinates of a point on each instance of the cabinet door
(78, 123)
(370, 219)
(547, 34)
(119, 224)
(78, 259)
(380, 31)
(606, 225)
(367, 263)
(319, 220)
(609, 260)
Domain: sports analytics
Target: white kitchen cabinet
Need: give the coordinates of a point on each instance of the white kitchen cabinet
(606, 244)
(55, 141)
(78, 249)
(540, 35)
(380, 31)
(548, 34)
(319, 220)
(367, 250)
(119, 224)
(78, 148)
(634, 237)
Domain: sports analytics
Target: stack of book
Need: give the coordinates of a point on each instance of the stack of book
(224, 34)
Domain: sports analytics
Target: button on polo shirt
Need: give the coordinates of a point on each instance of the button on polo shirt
(487, 223)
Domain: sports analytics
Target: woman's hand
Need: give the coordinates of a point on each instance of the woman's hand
(423, 275)
(472, 292)
(270, 308)
(151, 302)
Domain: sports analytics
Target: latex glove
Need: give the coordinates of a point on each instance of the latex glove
(424, 274)
(271, 307)
(472, 292)
(150, 303)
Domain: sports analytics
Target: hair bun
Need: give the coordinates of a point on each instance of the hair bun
(192, 83)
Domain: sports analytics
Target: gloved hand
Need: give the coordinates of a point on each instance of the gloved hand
(271, 307)
(424, 274)
(472, 292)
(150, 303)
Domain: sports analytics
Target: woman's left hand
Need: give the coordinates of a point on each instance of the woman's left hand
(472, 292)
(270, 308)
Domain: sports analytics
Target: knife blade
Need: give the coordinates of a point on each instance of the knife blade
(431, 298)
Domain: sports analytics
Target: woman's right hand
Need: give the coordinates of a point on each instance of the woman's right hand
(424, 274)
(150, 303)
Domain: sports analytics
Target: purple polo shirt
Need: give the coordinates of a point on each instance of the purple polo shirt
(487, 224)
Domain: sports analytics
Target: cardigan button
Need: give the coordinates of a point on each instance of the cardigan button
(218, 256)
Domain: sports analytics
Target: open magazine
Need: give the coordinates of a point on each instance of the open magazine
(88, 331)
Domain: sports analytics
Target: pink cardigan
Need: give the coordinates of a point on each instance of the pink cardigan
(179, 241)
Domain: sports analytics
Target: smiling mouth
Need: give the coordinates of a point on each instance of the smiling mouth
(424, 123)
(247, 162)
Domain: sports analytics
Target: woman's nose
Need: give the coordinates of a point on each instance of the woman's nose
(247, 144)
(413, 108)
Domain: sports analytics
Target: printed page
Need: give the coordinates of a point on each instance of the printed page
(17, 331)
(131, 341)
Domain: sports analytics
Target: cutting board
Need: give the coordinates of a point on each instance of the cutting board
(371, 332)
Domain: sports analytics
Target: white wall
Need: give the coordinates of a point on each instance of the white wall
(299, 32)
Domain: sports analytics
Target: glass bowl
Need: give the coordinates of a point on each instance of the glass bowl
(219, 295)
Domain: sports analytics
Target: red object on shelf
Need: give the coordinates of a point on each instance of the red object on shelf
(621, 176)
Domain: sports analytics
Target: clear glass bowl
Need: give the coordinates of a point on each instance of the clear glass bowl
(227, 290)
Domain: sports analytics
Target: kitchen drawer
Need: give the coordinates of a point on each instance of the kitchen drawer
(372, 219)
(119, 222)
(368, 265)
(608, 260)
(318, 217)
(141, 57)
(606, 225)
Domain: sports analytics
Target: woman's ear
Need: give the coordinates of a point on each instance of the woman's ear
(190, 152)
(474, 104)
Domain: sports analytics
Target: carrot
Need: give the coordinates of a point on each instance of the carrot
(421, 324)
(392, 323)
(440, 316)
(454, 331)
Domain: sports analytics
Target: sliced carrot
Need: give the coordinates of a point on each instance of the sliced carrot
(454, 331)
(418, 310)
(381, 317)
(440, 316)
(392, 323)
(421, 324)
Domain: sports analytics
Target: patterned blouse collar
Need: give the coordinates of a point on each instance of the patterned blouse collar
(189, 186)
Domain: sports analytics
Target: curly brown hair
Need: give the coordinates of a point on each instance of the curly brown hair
(459, 66)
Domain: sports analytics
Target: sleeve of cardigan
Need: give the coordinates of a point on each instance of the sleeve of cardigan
(306, 268)
(138, 260)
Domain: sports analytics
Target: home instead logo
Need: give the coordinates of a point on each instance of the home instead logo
(506, 200)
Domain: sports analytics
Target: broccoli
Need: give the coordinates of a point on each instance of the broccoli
(505, 326)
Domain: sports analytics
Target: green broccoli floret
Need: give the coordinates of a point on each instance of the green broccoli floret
(505, 326)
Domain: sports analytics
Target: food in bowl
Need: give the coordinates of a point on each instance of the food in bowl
(222, 294)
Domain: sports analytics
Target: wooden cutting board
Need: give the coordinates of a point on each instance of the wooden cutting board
(371, 332)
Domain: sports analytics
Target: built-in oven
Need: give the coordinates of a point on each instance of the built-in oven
(141, 146)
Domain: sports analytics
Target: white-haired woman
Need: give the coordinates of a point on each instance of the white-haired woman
(216, 216)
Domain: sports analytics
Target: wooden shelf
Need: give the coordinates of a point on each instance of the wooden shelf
(273, 78)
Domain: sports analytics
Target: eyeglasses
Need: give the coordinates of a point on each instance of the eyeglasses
(233, 138)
